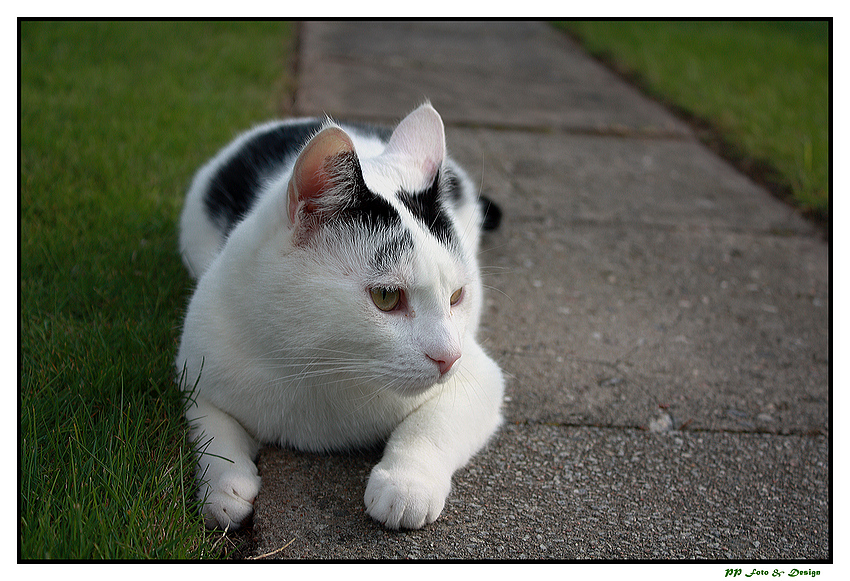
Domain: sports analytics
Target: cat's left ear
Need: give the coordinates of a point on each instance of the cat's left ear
(421, 139)
(313, 186)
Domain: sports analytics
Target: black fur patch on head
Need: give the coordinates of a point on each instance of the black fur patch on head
(453, 187)
(346, 202)
(356, 210)
(427, 207)
(360, 204)
(390, 252)
(234, 187)
(350, 210)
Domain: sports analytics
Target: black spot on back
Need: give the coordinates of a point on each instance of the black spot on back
(234, 187)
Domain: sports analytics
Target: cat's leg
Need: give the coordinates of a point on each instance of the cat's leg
(409, 487)
(227, 475)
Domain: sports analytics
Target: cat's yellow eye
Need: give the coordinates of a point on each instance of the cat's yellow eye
(455, 298)
(386, 299)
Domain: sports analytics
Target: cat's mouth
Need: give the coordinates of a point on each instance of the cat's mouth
(419, 385)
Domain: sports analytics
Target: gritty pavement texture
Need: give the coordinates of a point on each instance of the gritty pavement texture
(662, 320)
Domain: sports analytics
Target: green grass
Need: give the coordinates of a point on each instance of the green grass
(114, 119)
(762, 86)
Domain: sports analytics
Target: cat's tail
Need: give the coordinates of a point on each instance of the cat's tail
(492, 214)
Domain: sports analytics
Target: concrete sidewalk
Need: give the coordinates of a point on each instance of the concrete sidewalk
(663, 321)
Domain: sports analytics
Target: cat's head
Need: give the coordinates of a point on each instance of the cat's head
(380, 239)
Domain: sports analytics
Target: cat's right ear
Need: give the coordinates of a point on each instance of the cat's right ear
(316, 174)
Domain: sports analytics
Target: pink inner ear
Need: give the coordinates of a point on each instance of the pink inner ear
(421, 138)
(310, 177)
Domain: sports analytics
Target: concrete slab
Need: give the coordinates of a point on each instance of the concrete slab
(673, 183)
(610, 323)
(639, 284)
(664, 322)
(555, 492)
(474, 73)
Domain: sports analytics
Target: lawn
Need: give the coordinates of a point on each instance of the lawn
(114, 119)
(762, 88)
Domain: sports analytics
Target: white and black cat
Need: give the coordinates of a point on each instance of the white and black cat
(336, 307)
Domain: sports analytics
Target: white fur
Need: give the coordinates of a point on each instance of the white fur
(283, 344)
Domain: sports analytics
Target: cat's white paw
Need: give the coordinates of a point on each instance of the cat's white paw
(230, 500)
(404, 497)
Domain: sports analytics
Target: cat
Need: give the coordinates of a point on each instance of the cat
(337, 301)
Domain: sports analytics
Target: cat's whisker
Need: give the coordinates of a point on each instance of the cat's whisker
(500, 291)
(490, 270)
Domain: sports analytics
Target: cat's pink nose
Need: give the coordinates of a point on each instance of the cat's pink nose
(445, 361)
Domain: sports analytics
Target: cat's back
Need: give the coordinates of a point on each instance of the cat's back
(226, 188)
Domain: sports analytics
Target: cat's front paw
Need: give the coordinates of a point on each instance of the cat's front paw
(230, 500)
(404, 497)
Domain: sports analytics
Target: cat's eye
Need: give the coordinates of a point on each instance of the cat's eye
(456, 296)
(386, 299)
